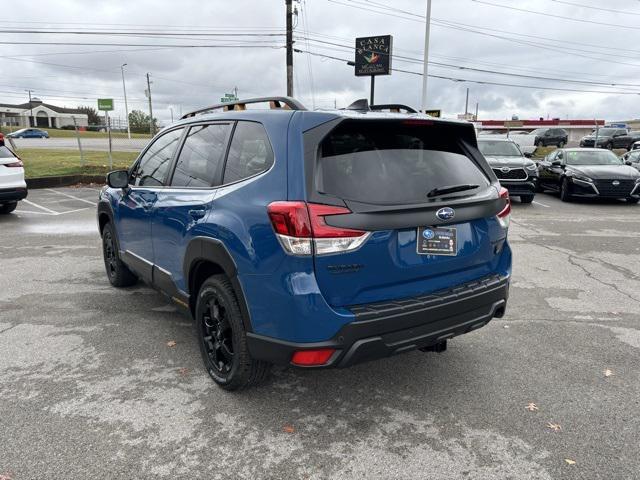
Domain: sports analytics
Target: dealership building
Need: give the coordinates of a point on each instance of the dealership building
(39, 114)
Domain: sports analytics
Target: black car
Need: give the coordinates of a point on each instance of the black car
(609, 138)
(589, 172)
(550, 136)
(515, 172)
(632, 158)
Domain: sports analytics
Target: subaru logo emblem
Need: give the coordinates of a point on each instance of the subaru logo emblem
(428, 233)
(445, 213)
(615, 183)
(505, 169)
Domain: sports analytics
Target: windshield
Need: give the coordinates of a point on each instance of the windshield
(492, 148)
(592, 157)
(393, 163)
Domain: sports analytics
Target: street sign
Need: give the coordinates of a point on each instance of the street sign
(229, 97)
(105, 104)
(373, 55)
(434, 113)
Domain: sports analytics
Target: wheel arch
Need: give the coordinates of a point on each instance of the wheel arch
(205, 257)
(105, 215)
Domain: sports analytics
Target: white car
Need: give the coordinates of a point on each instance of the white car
(12, 185)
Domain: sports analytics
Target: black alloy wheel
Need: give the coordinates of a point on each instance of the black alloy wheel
(218, 336)
(222, 337)
(118, 273)
(565, 196)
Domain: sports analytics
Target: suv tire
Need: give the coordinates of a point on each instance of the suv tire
(561, 143)
(222, 337)
(117, 272)
(526, 198)
(8, 207)
(539, 143)
(565, 196)
(609, 146)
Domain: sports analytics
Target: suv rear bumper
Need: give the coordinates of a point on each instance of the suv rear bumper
(12, 194)
(388, 328)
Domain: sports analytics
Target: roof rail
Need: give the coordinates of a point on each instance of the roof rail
(286, 103)
(393, 107)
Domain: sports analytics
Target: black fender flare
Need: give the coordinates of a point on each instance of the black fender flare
(104, 208)
(214, 251)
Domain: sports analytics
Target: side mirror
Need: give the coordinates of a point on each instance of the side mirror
(118, 179)
(556, 163)
(628, 162)
(528, 154)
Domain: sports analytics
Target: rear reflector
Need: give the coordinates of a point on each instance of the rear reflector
(505, 214)
(302, 229)
(310, 358)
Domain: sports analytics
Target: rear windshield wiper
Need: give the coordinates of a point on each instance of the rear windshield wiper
(451, 189)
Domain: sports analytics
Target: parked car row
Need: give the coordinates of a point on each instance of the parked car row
(572, 172)
(611, 138)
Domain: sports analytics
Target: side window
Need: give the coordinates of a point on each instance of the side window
(153, 167)
(201, 156)
(250, 152)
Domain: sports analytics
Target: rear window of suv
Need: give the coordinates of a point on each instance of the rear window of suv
(392, 163)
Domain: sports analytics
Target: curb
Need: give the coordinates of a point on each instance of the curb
(63, 181)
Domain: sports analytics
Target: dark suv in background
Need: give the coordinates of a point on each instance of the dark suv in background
(515, 172)
(609, 138)
(550, 136)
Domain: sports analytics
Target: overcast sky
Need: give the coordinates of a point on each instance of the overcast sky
(485, 37)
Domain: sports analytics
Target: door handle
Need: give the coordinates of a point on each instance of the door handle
(197, 213)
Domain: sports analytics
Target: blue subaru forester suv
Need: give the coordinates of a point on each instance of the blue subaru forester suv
(312, 238)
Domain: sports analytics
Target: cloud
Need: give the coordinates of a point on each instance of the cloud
(187, 78)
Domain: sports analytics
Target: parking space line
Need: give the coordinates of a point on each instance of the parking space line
(72, 196)
(33, 213)
(541, 204)
(51, 212)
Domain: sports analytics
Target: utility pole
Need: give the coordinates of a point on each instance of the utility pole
(477, 105)
(126, 106)
(425, 73)
(171, 110)
(31, 122)
(151, 125)
(289, 47)
(466, 104)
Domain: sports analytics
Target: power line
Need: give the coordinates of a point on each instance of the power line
(582, 5)
(138, 33)
(572, 19)
(494, 72)
(482, 82)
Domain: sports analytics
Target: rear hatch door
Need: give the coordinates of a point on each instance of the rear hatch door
(399, 180)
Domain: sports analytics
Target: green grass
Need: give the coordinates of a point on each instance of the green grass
(40, 162)
(56, 133)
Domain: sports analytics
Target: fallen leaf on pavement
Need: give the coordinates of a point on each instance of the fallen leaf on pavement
(171, 343)
(554, 426)
(288, 429)
(183, 371)
(4, 477)
(569, 461)
(532, 407)
(608, 373)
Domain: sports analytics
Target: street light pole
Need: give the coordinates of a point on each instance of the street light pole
(126, 106)
(425, 73)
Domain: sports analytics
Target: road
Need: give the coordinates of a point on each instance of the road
(89, 387)
(95, 144)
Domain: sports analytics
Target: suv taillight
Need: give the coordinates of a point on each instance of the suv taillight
(302, 230)
(16, 164)
(505, 214)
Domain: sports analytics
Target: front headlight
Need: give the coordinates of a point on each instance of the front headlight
(531, 167)
(580, 178)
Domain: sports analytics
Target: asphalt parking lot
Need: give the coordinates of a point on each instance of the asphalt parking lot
(90, 388)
